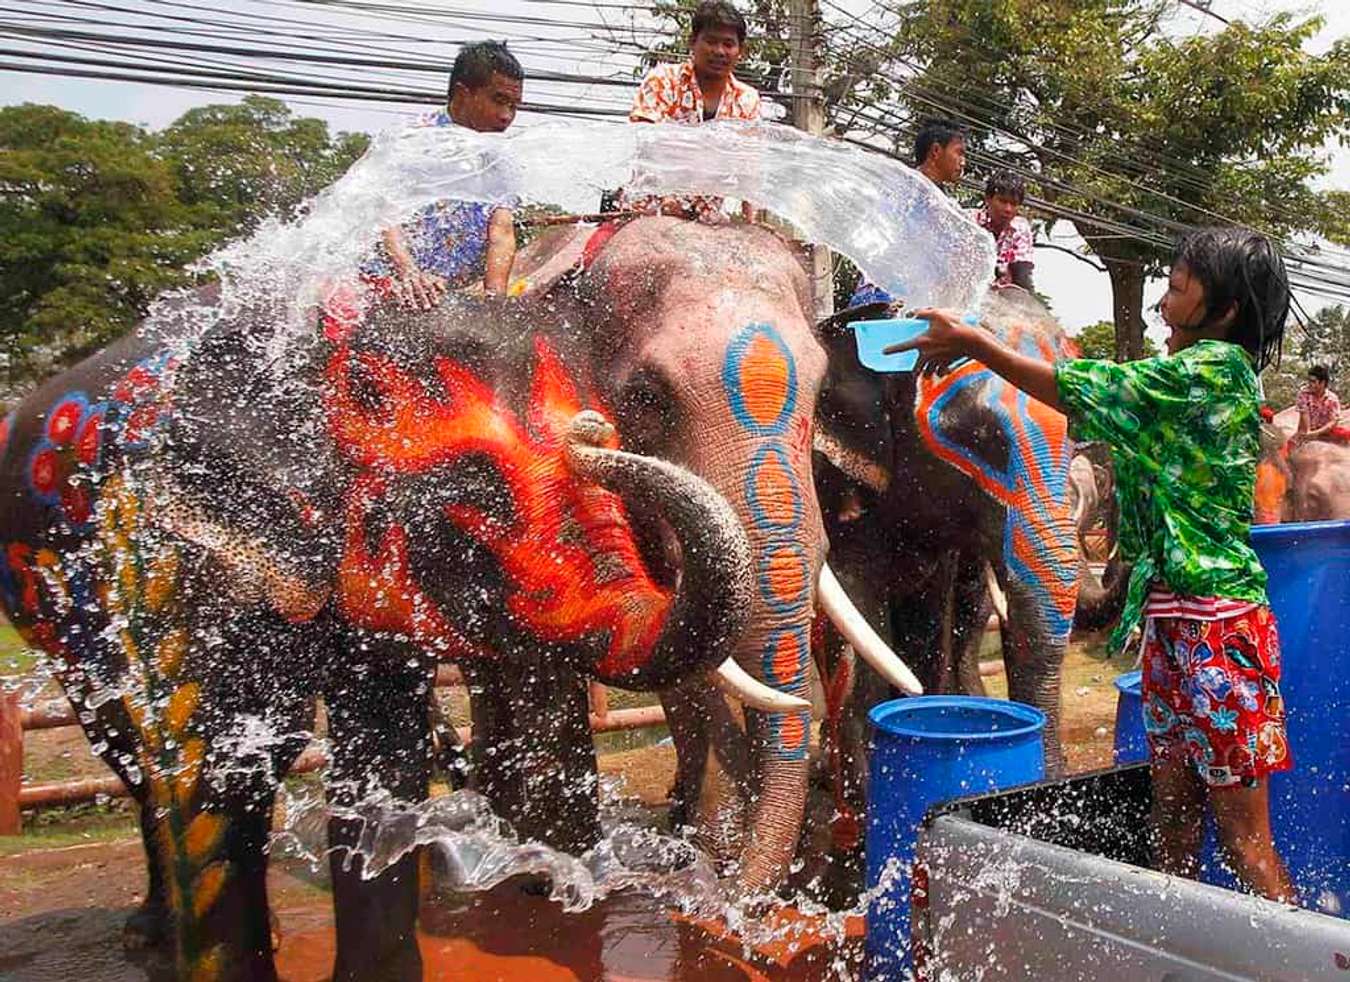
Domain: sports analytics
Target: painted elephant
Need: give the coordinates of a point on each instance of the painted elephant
(207, 541)
(927, 484)
(714, 364)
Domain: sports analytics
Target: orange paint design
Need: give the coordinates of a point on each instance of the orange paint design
(764, 381)
(787, 656)
(775, 493)
(793, 731)
(568, 553)
(785, 574)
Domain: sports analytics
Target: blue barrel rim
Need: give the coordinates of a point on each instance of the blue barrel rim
(1285, 533)
(1130, 683)
(1034, 720)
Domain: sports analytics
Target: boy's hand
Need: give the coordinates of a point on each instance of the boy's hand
(946, 340)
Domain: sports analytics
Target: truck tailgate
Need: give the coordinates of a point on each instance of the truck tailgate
(1001, 905)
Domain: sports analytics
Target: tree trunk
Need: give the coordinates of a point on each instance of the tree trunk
(1127, 306)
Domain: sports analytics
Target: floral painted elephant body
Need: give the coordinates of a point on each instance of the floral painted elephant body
(207, 540)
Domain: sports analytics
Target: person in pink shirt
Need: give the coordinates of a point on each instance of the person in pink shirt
(1319, 409)
(1004, 193)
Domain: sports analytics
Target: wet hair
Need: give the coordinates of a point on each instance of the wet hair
(1321, 373)
(715, 13)
(935, 132)
(1237, 266)
(476, 64)
(1006, 183)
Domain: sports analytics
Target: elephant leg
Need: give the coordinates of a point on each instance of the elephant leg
(377, 720)
(712, 770)
(534, 755)
(150, 925)
(970, 607)
(1034, 664)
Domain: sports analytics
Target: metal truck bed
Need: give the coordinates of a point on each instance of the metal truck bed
(1050, 883)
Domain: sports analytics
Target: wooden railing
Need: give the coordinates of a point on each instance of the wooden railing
(15, 720)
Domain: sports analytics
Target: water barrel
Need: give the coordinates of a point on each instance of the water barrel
(1308, 565)
(926, 750)
(1131, 745)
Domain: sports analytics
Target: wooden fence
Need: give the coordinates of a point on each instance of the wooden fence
(15, 720)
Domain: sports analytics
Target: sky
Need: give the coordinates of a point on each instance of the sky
(1079, 294)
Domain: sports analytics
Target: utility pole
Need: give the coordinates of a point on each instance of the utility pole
(808, 113)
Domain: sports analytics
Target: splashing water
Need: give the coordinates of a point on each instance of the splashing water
(474, 850)
(896, 225)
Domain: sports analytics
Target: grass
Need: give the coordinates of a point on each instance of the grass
(78, 825)
(16, 658)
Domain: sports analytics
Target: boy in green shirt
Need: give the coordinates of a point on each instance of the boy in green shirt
(1184, 433)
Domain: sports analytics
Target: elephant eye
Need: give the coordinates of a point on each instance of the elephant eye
(646, 414)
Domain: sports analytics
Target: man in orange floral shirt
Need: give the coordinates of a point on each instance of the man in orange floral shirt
(699, 90)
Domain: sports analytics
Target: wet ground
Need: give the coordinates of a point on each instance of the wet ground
(63, 912)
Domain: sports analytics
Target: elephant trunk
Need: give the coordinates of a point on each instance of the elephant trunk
(1100, 602)
(709, 611)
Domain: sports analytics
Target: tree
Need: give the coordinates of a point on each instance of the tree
(1326, 340)
(1106, 107)
(241, 163)
(90, 232)
(1099, 341)
(98, 218)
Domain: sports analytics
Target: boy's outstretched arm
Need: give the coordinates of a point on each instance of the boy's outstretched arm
(948, 339)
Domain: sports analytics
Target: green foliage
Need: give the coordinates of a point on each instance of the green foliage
(90, 232)
(238, 164)
(1108, 106)
(1326, 341)
(98, 218)
(1099, 341)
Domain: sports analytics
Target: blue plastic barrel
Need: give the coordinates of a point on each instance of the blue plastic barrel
(1131, 742)
(926, 750)
(1308, 565)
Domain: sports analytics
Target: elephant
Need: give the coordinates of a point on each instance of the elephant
(928, 483)
(714, 364)
(1318, 482)
(207, 542)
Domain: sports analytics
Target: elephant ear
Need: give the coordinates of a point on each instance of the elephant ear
(249, 477)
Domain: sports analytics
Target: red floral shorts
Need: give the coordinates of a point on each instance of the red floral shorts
(1212, 691)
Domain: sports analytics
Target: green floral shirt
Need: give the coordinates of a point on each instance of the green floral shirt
(1184, 434)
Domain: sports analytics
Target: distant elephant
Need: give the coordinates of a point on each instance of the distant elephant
(1320, 481)
(206, 541)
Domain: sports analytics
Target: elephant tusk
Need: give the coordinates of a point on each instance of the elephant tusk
(741, 685)
(867, 644)
(996, 594)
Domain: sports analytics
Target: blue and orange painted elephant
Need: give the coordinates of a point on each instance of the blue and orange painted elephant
(208, 539)
(206, 543)
(928, 485)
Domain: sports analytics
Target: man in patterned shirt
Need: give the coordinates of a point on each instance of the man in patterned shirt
(452, 244)
(1319, 409)
(699, 90)
(1004, 192)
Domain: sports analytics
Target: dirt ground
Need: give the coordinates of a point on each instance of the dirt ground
(68, 883)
